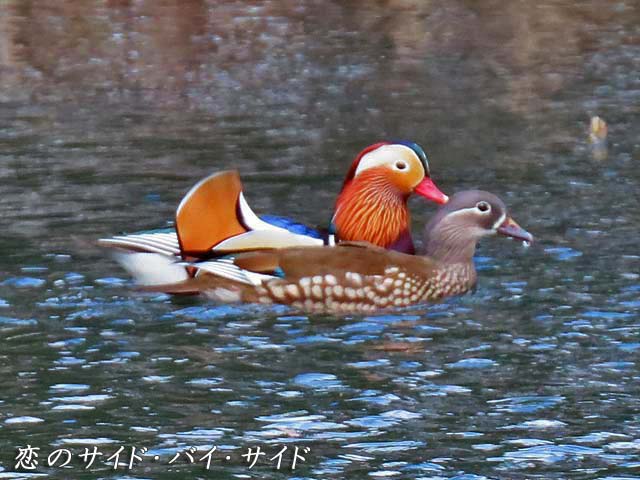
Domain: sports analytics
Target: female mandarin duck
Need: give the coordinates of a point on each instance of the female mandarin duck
(214, 218)
(359, 277)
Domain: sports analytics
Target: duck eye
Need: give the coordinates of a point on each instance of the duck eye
(484, 207)
(401, 165)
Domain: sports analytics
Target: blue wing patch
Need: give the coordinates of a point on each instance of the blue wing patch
(292, 226)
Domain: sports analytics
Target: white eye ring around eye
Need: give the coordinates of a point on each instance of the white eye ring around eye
(400, 165)
(483, 207)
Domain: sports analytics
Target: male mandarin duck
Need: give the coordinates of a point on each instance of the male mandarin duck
(356, 277)
(372, 205)
(214, 218)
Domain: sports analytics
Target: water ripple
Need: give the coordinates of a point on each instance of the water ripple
(318, 381)
(23, 282)
(385, 447)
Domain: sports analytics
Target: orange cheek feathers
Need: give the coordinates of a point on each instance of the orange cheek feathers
(371, 211)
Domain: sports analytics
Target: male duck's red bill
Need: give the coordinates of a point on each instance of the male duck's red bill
(427, 189)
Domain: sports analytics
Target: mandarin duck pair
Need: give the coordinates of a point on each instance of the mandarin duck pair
(362, 263)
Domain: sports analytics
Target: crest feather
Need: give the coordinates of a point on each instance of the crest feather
(354, 166)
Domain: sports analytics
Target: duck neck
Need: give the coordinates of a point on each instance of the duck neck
(452, 249)
(371, 209)
(450, 244)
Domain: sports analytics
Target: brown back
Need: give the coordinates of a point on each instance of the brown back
(361, 258)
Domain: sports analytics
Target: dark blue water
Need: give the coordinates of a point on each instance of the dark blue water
(110, 111)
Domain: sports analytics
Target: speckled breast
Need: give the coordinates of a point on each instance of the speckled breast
(355, 293)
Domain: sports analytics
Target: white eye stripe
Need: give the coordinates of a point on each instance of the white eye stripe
(386, 155)
(499, 221)
(462, 211)
(474, 211)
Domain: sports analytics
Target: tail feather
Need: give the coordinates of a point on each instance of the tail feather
(148, 269)
(162, 243)
(226, 269)
(213, 219)
(221, 280)
(214, 287)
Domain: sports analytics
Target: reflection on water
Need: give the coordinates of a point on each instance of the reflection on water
(109, 111)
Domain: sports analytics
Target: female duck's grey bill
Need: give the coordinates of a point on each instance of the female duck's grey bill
(510, 228)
